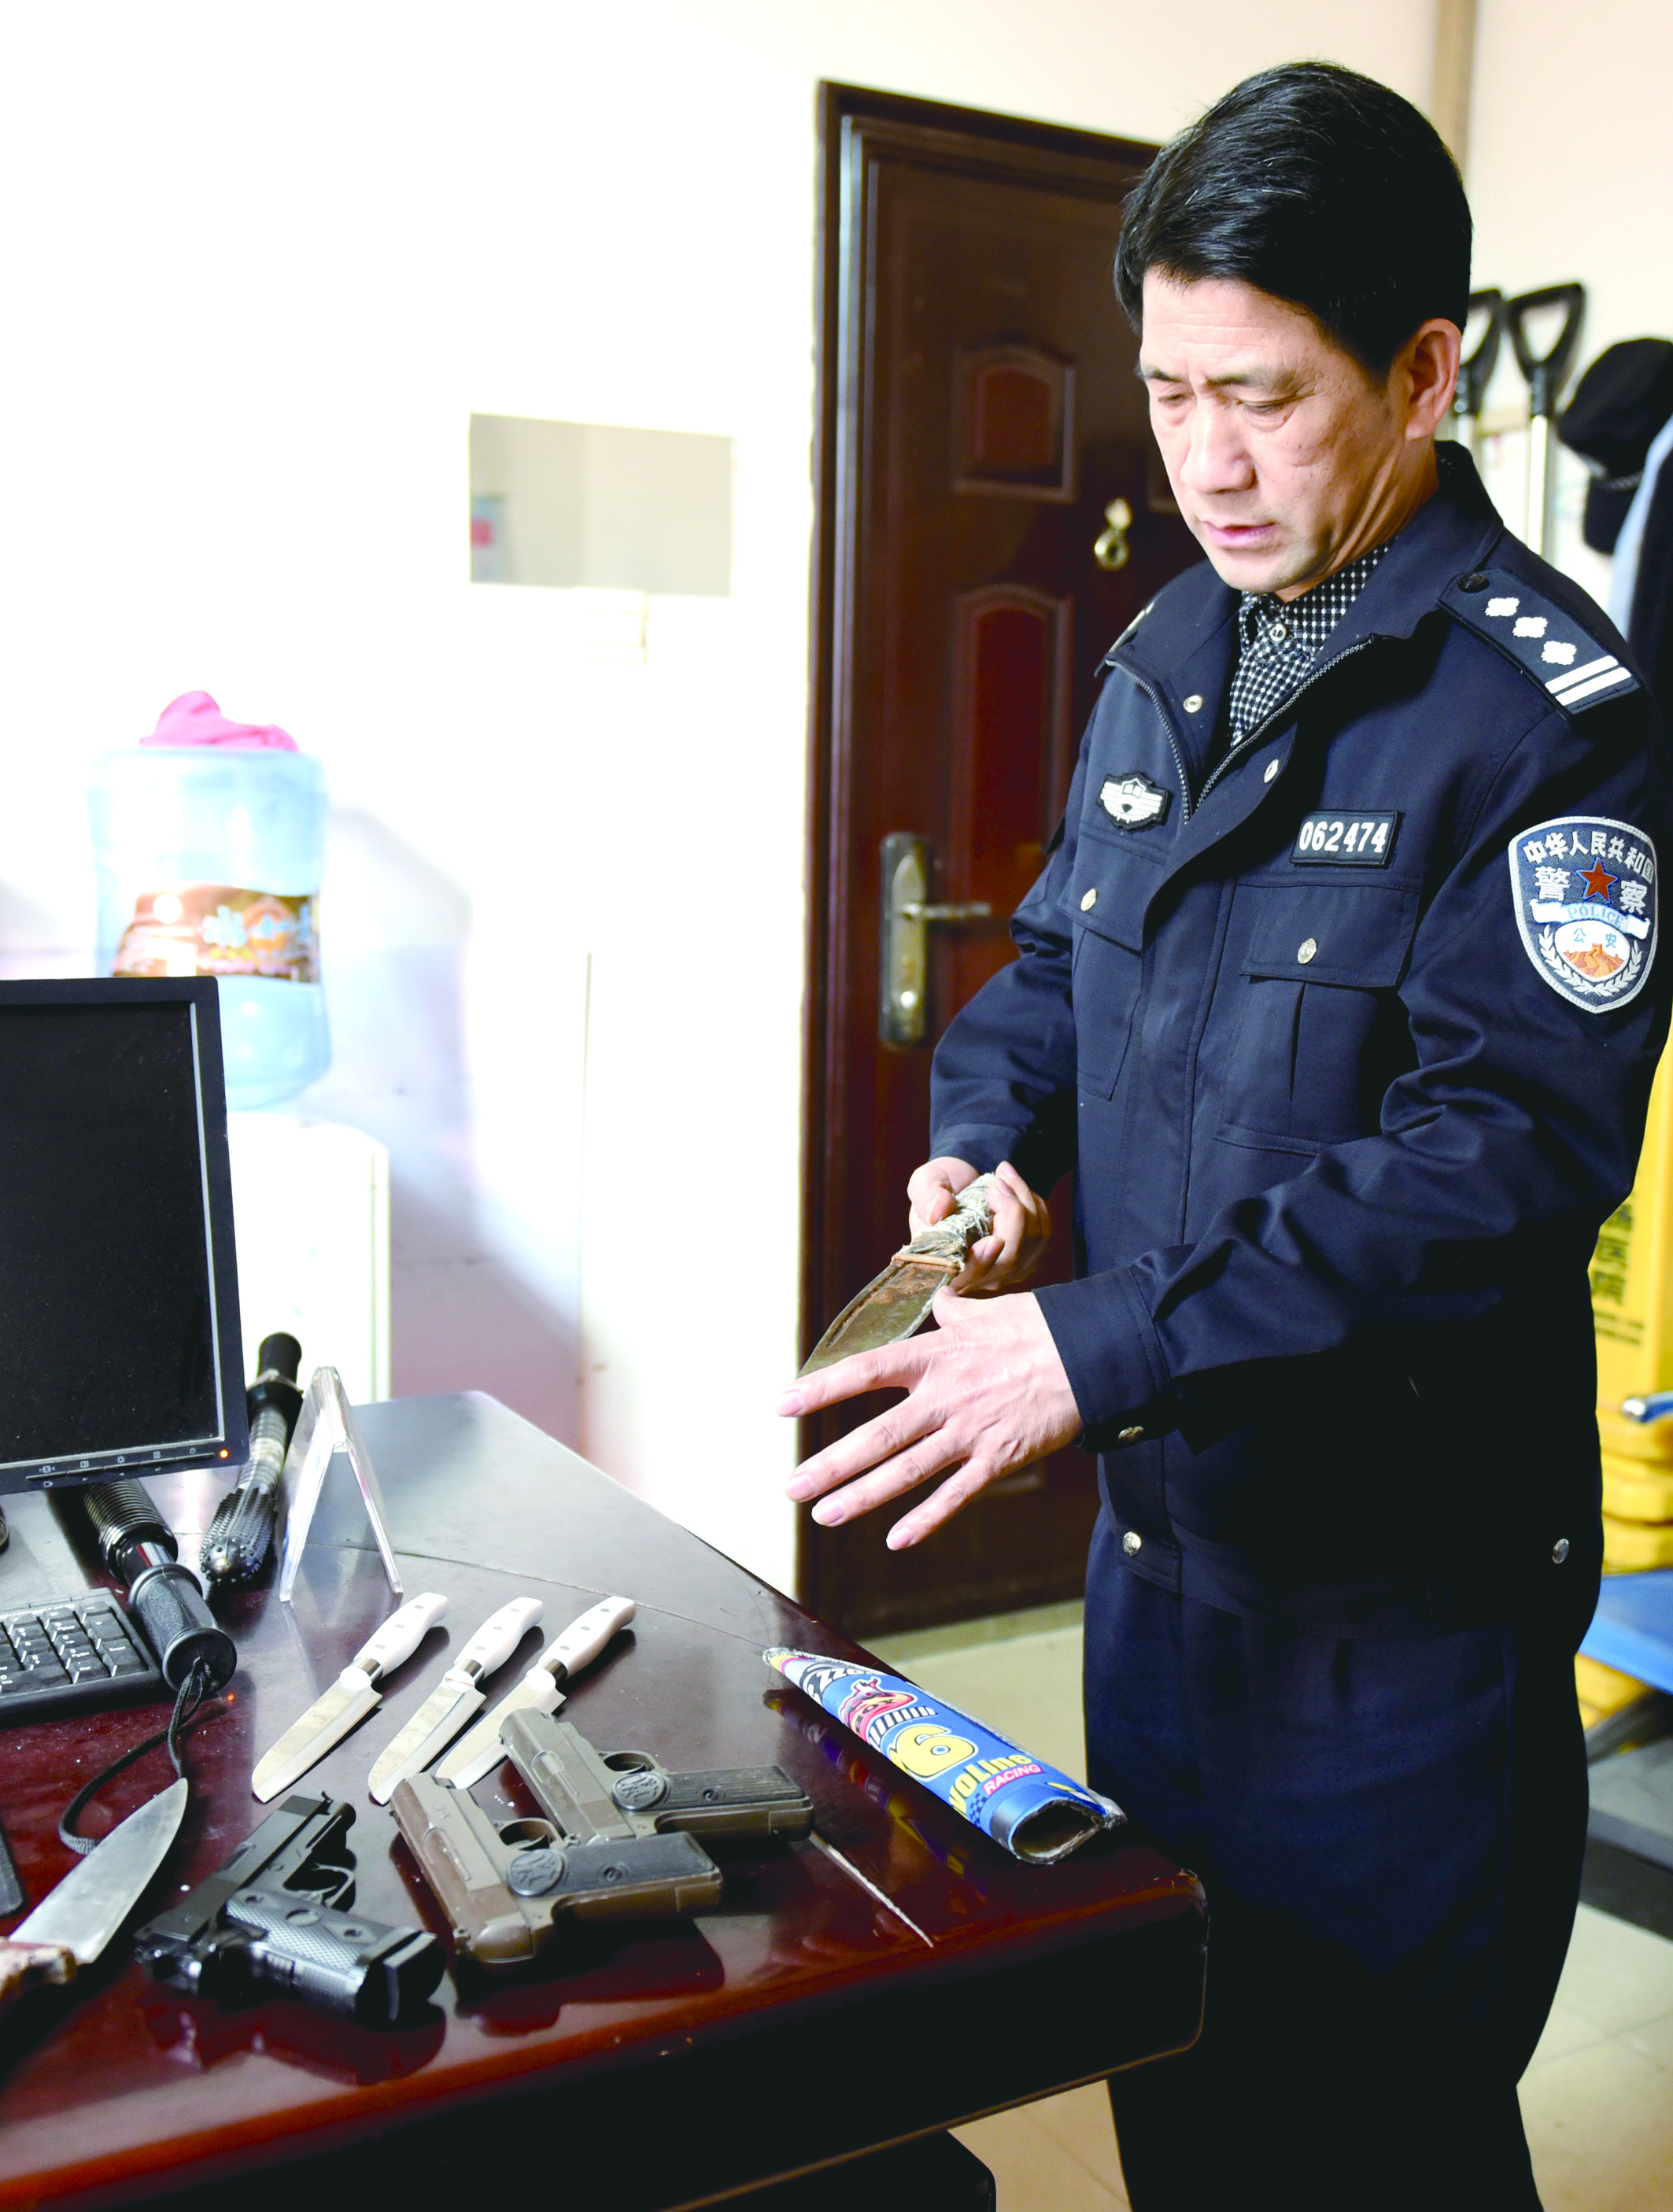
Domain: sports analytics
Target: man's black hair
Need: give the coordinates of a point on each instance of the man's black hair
(1321, 187)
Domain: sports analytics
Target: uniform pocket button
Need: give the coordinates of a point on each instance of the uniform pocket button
(1306, 949)
(1560, 1551)
(1194, 704)
(1273, 766)
(1089, 900)
(1131, 1542)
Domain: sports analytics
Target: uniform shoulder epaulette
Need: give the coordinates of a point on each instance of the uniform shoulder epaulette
(1571, 667)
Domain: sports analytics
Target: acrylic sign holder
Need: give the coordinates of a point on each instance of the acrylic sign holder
(326, 1425)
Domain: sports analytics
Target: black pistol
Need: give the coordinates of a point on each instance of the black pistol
(277, 1919)
(618, 1841)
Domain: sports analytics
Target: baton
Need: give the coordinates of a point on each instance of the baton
(137, 1544)
(236, 1548)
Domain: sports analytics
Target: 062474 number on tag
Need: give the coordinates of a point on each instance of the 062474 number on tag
(1351, 840)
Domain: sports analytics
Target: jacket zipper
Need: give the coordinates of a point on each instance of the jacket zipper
(1254, 737)
(1257, 735)
(1133, 677)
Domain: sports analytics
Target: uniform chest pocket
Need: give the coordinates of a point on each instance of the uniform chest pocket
(1318, 1032)
(1105, 901)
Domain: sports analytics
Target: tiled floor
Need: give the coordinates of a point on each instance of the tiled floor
(1597, 2100)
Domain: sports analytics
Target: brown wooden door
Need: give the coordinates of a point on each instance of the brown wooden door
(979, 413)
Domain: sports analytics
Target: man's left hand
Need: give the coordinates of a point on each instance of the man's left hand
(986, 1395)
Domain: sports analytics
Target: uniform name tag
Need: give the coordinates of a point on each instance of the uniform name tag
(1346, 841)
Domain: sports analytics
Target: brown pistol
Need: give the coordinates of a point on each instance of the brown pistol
(618, 1839)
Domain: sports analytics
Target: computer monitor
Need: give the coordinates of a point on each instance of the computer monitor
(120, 1351)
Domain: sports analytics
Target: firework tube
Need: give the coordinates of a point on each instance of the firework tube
(1035, 1812)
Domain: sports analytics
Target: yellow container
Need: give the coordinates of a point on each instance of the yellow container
(1631, 1547)
(1602, 1690)
(1632, 1298)
(1634, 1492)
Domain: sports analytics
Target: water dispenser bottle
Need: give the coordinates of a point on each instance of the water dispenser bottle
(209, 837)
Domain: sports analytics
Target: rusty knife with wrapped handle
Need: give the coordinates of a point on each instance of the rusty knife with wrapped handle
(891, 1305)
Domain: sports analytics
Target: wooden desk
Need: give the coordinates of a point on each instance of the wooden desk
(662, 2066)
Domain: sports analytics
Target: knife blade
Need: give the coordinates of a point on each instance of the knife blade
(455, 1697)
(540, 1690)
(892, 1303)
(353, 1695)
(73, 1923)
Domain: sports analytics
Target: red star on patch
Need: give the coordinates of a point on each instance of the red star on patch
(1597, 881)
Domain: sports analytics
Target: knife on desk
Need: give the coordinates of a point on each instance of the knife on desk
(353, 1695)
(892, 1303)
(455, 1697)
(73, 1923)
(541, 1690)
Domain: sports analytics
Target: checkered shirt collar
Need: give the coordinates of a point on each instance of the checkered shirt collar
(1278, 641)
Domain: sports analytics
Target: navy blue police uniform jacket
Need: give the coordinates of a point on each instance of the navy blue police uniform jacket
(1350, 1038)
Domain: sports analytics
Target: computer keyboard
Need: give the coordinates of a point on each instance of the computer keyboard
(78, 1656)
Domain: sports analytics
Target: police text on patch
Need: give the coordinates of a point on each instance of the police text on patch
(1586, 905)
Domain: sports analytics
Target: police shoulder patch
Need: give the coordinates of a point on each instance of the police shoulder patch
(1572, 668)
(1585, 896)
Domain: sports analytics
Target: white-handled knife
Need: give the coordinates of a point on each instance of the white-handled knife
(455, 1697)
(541, 1690)
(350, 1696)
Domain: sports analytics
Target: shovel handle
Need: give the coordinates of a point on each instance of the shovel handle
(26, 1965)
(1545, 372)
(1476, 373)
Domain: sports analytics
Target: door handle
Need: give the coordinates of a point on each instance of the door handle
(1110, 550)
(908, 912)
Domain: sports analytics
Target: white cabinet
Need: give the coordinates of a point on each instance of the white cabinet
(311, 1208)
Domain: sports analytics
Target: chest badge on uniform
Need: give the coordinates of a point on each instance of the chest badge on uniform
(1133, 801)
(1586, 897)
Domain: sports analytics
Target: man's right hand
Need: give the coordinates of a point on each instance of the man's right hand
(1022, 1225)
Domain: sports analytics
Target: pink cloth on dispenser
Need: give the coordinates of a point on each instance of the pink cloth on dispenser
(194, 719)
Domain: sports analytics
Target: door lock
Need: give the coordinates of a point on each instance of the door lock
(1111, 549)
(908, 911)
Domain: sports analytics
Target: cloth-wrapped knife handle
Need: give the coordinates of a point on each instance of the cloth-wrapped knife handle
(950, 1239)
(27, 1966)
(893, 1303)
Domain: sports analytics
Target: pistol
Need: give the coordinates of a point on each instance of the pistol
(619, 1839)
(277, 1917)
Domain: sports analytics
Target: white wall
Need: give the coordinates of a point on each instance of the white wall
(590, 504)
(263, 263)
(1571, 160)
(1570, 175)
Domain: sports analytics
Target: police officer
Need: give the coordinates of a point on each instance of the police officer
(1341, 994)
